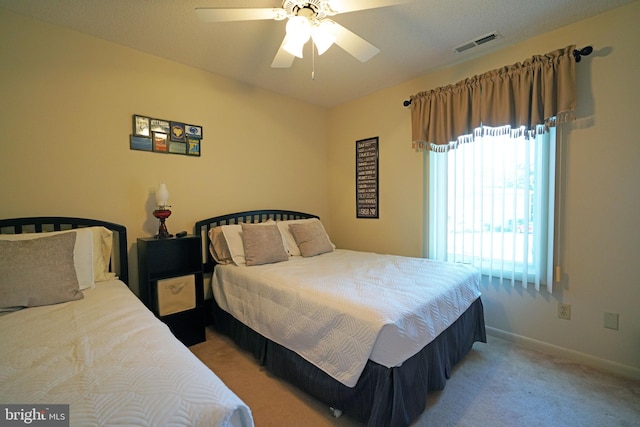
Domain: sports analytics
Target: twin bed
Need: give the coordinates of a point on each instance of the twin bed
(368, 334)
(72, 333)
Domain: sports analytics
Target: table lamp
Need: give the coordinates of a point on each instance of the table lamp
(162, 213)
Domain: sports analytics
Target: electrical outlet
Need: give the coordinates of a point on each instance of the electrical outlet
(611, 320)
(564, 311)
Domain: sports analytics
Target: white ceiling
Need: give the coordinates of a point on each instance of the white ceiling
(414, 38)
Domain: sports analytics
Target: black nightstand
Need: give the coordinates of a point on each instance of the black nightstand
(177, 259)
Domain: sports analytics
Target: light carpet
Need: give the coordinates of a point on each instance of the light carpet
(498, 384)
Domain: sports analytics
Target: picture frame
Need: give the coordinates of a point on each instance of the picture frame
(367, 197)
(193, 146)
(158, 125)
(141, 143)
(177, 147)
(177, 132)
(193, 131)
(141, 126)
(160, 142)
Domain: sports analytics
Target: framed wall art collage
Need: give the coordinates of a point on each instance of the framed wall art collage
(165, 136)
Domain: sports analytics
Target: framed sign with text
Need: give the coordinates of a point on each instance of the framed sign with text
(367, 178)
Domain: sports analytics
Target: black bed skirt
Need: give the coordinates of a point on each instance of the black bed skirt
(383, 396)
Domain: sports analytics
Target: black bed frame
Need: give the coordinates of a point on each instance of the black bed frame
(383, 396)
(119, 260)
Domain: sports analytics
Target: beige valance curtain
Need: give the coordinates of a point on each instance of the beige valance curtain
(540, 90)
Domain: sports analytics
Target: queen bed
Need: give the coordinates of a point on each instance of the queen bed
(368, 334)
(74, 334)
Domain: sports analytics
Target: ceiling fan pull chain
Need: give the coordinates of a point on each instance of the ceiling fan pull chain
(313, 62)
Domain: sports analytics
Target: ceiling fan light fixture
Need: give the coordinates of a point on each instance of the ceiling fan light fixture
(293, 46)
(299, 28)
(323, 37)
(298, 33)
(306, 19)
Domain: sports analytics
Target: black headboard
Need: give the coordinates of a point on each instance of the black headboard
(119, 259)
(202, 227)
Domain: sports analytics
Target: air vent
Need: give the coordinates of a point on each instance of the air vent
(481, 40)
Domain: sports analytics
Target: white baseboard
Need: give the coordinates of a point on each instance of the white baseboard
(565, 353)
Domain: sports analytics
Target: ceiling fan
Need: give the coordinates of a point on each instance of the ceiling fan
(306, 19)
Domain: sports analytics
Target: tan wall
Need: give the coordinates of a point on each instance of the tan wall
(66, 112)
(601, 237)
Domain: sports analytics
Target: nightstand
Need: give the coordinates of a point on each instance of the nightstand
(171, 284)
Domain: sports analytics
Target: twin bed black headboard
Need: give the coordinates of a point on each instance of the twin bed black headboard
(202, 227)
(119, 259)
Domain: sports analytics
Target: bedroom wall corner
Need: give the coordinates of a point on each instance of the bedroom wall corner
(398, 229)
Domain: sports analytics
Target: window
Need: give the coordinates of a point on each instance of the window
(492, 203)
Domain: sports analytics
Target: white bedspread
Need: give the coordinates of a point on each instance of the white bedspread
(339, 309)
(113, 362)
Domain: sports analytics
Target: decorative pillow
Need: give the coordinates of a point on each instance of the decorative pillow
(290, 241)
(311, 238)
(83, 251)
(233, 236)
(38, 272)
(218, 246)
(263, 244)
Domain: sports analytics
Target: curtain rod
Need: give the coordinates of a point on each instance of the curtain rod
(577, 55)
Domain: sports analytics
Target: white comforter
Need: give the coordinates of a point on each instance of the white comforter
(113, 362)
(339, 309)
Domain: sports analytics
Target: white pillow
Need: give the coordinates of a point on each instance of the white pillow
(82, 252)
(102, 246)
(233, 235)
(289, 240)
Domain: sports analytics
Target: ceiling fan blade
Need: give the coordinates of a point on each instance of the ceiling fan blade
(283, 59)
(353, 43)
(247, 14)
(345, 6)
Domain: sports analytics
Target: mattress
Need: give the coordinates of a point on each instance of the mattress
(113, 362)
(340, 309)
